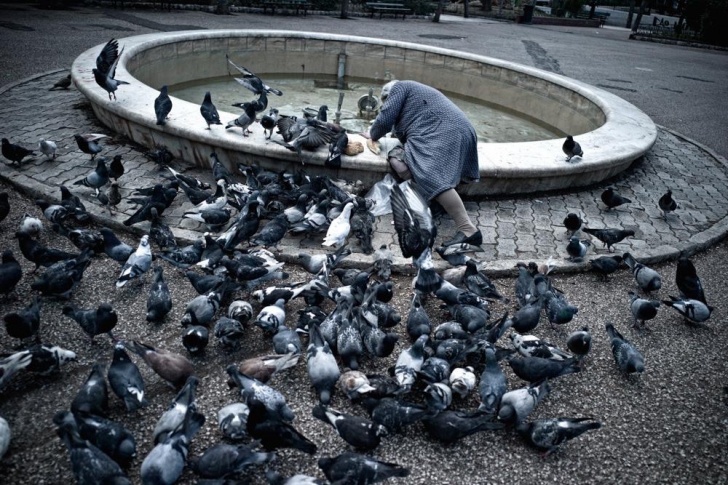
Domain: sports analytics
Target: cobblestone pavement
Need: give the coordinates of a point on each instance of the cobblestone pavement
(528, 228)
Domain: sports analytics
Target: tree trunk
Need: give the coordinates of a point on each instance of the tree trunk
(438, 12)
(344, 9)
(593, 8)
(487, 5)
(466, 8)
(636, 24)
(631, 14)
(500, 7)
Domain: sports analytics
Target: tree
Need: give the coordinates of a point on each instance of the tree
(438, 12)
(643, 7)
(344, 9)
(630, 14)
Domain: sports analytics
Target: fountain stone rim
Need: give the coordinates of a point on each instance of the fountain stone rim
(505, 168)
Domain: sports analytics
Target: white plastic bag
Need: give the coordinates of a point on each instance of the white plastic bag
(379, 194)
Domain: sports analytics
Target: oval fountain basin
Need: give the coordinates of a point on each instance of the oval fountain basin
(612, 132)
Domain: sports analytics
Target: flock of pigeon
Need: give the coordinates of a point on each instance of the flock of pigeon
(341, 329)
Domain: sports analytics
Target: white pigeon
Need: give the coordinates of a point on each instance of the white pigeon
(138, 263)
(47, 148)
(462, 381)
(272, 316)
(339, 228)
(32, 226)
(5, 435)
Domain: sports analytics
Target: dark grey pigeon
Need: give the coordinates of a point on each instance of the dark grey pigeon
(114, 248)
(269, 121)
(105, 70)
(533, 369)
(244, 120)
(393, 414)
(321, 363)
(409, 363)
(606, 265)
(233, 420)
(549, 434)
(93, 397)
(355, 468)
(110, 437)
(493, 384)
(96, 179)
(418, 323)
(10, 272)
(24, 323)
(195, 338)
(667, 204)
(63, 83)
(577, 249)
(230, 332)
(126, 380)
(451, 426)
(472, 318)
(571, 148)
(95, 321)
(88, 143)
(14, 153)
(516, 405)
(558, 310)
(349, 343)
(223, 460)
(579, 342)
(159, 301)
(162, 106)
(251, 81)
(572, 222)
(273, 400)
(647, 279)
(527, 317)
(358, 432)
(694, 311)
(383, 262)
(629, 359)
(209, 112)
(174, 416)
(160, 233)
(642, 310)
(478, 283)
(609, 237)
(336, 149)
(612, 199)
(89, 464)
(286, 341)
(687, 280)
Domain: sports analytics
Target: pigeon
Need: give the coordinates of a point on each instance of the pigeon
(159, 232)
(579, 342)
(572, 222)
(533, 369)
(462, 381)
(52, 212)
(93, 397)
(63, 83)
(223, 460)
(314, 134)
(83, 239)
(202, 309)
(264, 367)
(213, 218)
(349, 343)
(203, 284)
(195, 338)
(286, 340)
(272, 316)
(186, 256)
(24, 323)
(4, 206)
(471, 317)
(629, 359)
(162, 106)
(409, 363)
(161, 156)
(61, 278)
(359, 432)
(694, 311)
(159, 301)
(229, 331)
(255, 391)
(166, 462)
(36, 253)
(110, 437)
(478, 283)
(667, 204)
(493, 383)
(5, 437)
(47, 148)
(322, 367)
(32, 226)
(275, 478)
(190, 182)
(138, 263)
(173, 368)
(612, 199)
(647, 279)
(272, 431)
(209, 112)
(527, 317)
(354, 384)
(251, 81)
(577, 249)
(383, 261)
(524, 287)
(126, 380)
(10, 272)
(93, 322)
(114, 248)
(687, 280)
(15, 153)
(336, 149)
(269, 121)
(451, 426)
(418, 322)
(549, 434)
(11, 365)
(457, 254)
(339, 228)
(642, 310)
(88, 143)
(105, 70)
(233, 420)
(517, 405)
(175, 414)
(531, 346)
(571, 148)
(606, 265)
(609, 237)
(244, 120)
(96, 179)
(272, 233)
(352, 468)
(558, 310)
(116, 168)
(416, 233)
(89, 464)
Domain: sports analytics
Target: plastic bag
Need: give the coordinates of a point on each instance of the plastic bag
(380, 195)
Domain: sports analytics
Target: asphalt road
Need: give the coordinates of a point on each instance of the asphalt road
(681, 88)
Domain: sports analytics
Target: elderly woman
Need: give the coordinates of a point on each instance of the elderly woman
(440, 147)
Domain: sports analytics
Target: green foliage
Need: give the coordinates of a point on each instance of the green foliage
(327, 5)
(421, 7)
(573, 6)
(708, 17)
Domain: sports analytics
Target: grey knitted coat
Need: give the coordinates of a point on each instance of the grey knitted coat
(441, 146)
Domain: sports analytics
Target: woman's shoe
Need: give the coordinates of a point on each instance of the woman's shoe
(475, 239)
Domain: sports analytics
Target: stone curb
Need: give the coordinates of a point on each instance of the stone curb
(679, 43)
(288, 252)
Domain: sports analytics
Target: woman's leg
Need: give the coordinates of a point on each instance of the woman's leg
(397, 162)
(453, 205)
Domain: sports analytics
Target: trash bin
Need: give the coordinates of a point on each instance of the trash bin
(527, 14)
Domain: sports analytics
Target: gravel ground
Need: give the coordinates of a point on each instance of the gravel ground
(667, 426)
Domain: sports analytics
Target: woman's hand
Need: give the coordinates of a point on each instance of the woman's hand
(366, 135)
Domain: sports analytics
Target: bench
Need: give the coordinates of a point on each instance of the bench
(601, 16)
(382, 7)
(297, 5)
(161, 4)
